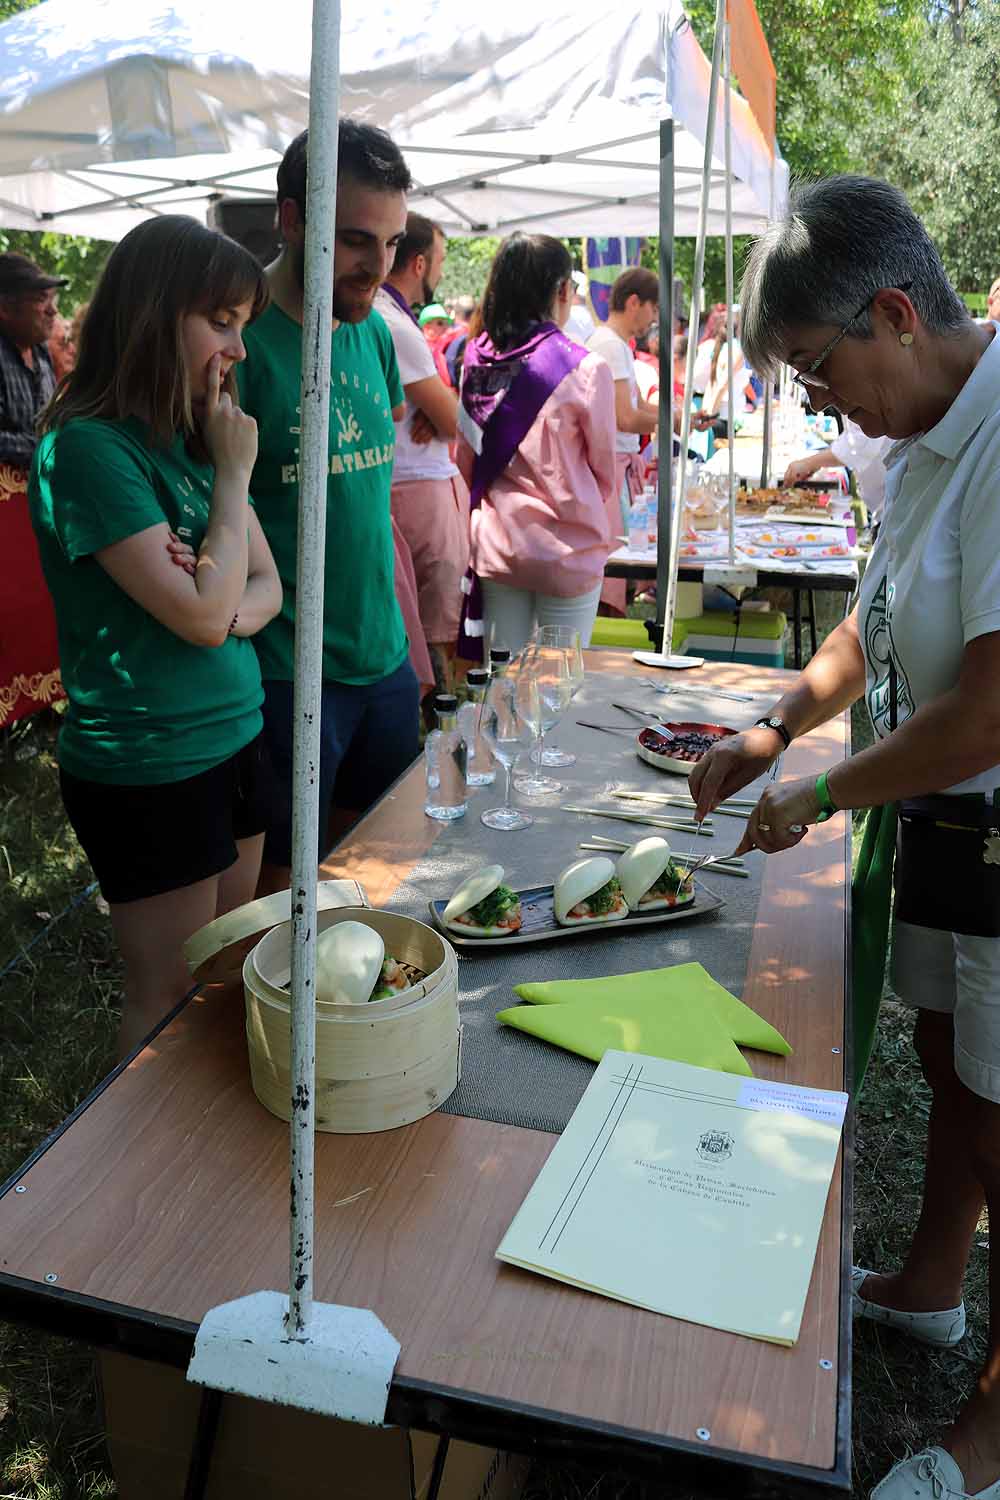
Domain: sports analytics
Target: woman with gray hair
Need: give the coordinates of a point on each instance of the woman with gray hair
(850, 291)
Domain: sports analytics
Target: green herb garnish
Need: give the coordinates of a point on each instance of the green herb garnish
(487, 913)
(605, 898)
(669, 883)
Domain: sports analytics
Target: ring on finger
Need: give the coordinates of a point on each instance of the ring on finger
(764, 827)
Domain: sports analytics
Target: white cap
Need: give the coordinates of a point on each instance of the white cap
(581, 283)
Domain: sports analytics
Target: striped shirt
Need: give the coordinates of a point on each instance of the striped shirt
(23, 394)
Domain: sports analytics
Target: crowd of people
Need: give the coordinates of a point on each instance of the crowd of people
(480, 459)
(477, 460)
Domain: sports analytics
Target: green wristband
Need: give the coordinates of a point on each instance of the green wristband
(827, 806)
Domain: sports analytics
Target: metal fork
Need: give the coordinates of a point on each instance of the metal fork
(646, 714)
(708, 859)
(707, 692)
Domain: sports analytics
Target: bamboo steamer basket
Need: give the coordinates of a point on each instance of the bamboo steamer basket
(379, 1065)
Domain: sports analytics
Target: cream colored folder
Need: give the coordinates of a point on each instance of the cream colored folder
(687, 1191)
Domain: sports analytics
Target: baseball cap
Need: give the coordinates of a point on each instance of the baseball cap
(18, 274)
(435, 310)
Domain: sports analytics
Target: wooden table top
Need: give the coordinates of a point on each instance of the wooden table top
(168, 1195)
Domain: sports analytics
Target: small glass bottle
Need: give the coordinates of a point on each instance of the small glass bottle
(481, 770)
(445, 759)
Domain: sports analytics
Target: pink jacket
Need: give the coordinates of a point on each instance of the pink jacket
(542, 525)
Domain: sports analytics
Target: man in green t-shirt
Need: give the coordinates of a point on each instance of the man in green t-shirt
(370, 694)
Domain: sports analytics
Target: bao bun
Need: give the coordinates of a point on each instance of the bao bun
(349, 959)
(469, 894)
(639, 868)
(578, 881)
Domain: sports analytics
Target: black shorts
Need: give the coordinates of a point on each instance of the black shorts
(147, 840)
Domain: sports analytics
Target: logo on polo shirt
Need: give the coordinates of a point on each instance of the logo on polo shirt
(880, 651)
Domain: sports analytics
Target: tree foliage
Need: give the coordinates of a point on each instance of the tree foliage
(70, 255)
(840, 65)
(939, 145)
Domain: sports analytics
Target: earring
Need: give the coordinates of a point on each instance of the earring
(906, 339)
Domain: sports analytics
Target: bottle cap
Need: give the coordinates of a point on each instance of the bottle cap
(500, 653)
(477, 676)
(446, 703)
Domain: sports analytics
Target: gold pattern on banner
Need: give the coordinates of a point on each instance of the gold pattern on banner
(13, 481)
(40, 687)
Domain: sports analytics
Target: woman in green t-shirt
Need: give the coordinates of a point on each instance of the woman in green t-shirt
(144, 464)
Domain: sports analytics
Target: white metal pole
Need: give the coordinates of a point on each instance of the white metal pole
(321, 209)
(697, 278)
(730, 316)
(665, 425)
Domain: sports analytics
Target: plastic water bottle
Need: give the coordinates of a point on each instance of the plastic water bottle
(446, 761)
(481, 770)
(652, 514)
(638, 529)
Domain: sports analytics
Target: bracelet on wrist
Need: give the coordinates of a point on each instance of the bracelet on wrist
(233, 623)
(777, 723)
(827, 806)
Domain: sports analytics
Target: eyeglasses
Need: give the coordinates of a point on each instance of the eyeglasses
(809, 377)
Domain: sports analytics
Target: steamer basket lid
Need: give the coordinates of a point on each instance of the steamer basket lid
(215, 953)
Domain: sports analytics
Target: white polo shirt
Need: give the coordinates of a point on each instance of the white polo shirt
(416, 362)
(932, 584)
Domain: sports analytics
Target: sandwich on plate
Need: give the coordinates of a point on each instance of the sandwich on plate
(484, 907)
(352, 966)
(650, 880)
(589, 891)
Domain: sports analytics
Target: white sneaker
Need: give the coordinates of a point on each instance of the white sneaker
(931, 1474)
(941, 1328)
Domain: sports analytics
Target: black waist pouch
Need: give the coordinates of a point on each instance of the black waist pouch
(948, 864)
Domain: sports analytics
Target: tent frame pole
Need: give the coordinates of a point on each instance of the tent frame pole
(665, 427)
(730, 314)
(680, 488)
(321, 213)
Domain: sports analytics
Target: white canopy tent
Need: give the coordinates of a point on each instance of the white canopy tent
(115, 109)
(121, 109)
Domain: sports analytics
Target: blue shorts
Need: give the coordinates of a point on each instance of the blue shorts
(368, 737)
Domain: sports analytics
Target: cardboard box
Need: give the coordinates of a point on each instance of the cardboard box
(265, 1452)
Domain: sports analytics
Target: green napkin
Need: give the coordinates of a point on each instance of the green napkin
(690, 984)
(664, 1024)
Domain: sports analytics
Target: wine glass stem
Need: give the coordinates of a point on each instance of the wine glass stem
(540, 748)
(508, 772)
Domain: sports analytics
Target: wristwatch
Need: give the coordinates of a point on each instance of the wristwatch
(776, 723)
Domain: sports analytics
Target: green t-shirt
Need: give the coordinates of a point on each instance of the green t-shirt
(145, 706)
(364, 638)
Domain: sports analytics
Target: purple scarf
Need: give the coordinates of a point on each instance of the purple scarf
(502, 394)
(400, 301)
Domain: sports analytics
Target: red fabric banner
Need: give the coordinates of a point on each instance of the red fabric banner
(29, 655)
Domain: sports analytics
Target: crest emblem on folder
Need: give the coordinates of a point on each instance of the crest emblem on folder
(715, 1146)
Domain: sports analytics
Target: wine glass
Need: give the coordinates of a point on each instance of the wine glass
(508, 724)
(568, 640)
(549, 666)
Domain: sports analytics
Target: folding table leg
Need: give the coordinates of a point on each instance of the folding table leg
(812, 620)
(797, 624)
(437, 1472)
(200, 1461)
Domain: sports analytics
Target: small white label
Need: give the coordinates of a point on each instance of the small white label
(823, 1105)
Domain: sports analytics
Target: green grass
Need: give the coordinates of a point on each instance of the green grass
(57, 1023)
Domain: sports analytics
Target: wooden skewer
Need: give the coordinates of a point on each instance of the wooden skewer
(598, 841)
(704, 829)
(678, 799)
(724, 866)
(680, 803)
